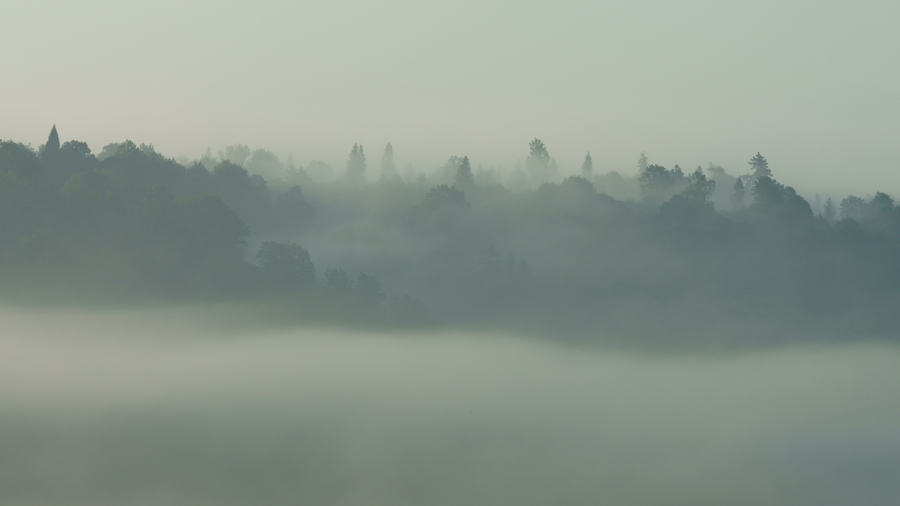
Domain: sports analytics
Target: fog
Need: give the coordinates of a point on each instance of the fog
(163, 407)
(484, 252)
(810, 84)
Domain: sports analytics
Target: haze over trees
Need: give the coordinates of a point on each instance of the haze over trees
(663, 256)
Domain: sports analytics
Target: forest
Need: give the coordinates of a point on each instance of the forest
(665, 258)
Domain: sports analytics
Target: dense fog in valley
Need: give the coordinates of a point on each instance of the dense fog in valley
(177, 410)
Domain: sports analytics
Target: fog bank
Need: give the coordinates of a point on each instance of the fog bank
(161, 407)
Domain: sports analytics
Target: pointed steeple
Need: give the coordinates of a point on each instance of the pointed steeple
(53, 140)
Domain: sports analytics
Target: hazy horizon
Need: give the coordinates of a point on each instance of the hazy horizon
(808, 84)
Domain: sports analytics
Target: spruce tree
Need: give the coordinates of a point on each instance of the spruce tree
(356, 164)
(388, 170)
(737, 198)
(464, 179)
(760, 166)
(587, 168)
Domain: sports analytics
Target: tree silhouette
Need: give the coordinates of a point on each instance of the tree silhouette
(830, 210)
(464, 178)
(643, 162)
(587, 167)
(767, 193)
(759, 166)
(356, 165)
(388, 169)
(699, 189)
(236, 154)
(737, 198)
(852, 207)
(538, 161)
(287, 265)
(52, 144)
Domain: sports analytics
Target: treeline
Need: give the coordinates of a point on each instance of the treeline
(665, 257)
(137, 227)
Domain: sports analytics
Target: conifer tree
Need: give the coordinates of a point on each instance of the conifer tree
(760, 166)
(464, 179)
(643, 162)
(356, 164)
(587, 168)
(830, 210)
(737, 198)
(52, 140)
(388, 170)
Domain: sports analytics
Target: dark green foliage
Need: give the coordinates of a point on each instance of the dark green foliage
(19, 161)
(52, 140)
(759, 167)
(767, 193)
(699, 189)
(247, 195)
(287, 266)
(852, 207)
(658, 184)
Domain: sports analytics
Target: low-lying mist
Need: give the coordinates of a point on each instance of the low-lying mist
(163, 407)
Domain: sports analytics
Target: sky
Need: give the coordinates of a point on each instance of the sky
(809, 84)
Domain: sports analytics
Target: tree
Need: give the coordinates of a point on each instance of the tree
(287, 265)
(852, 207)
(829, 210)
(759, 166)
(210, 229)
(737, 198)
(356, 165)
(337, 282)
(443, 197)
(879, 204)
(236, 154)
(388, 170)
(643, 162)
(19, 160)
(293, 211)
(464, 178)
(52, 145)
(587, 167)
(767, 193)
(538, 161)
(265, 163)
(656, 182)
(699, 189)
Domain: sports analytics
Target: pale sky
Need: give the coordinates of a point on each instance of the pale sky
(812, 85)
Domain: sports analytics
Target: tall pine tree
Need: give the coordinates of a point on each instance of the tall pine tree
(587, 168)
